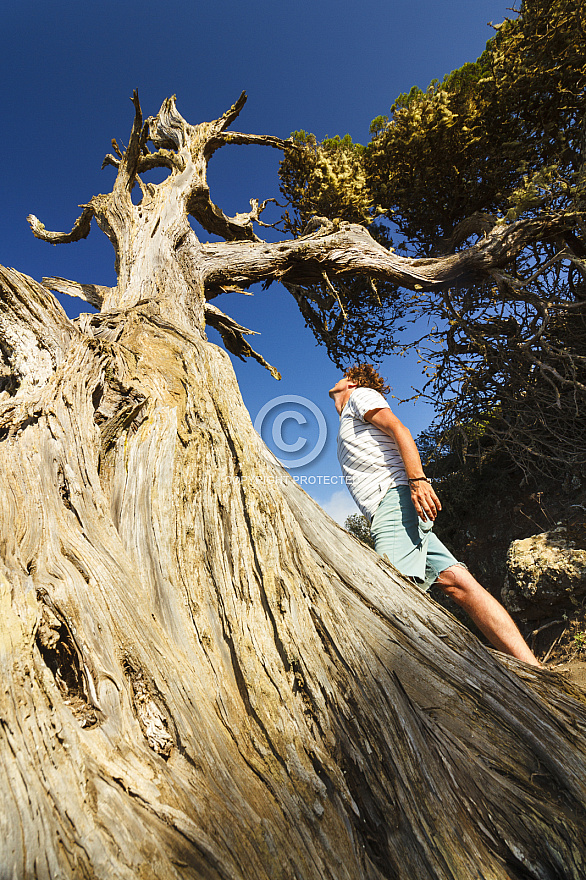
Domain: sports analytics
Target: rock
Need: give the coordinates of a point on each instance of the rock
(546, 574)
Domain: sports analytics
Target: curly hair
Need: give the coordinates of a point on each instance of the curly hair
(366, 376)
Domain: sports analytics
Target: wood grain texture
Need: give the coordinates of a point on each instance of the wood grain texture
(203, 676)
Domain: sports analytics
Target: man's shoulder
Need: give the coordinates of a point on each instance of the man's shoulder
(362, 400)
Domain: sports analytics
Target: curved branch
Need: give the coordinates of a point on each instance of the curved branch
(213, 219)
(81, 228)
(235, 137)
(345, 248)
(109, 159)
(234, 111)
(113, 160)
(477, 224)
(160, 159)
(94, 294)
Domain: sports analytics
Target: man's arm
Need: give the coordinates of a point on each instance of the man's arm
(426, 502)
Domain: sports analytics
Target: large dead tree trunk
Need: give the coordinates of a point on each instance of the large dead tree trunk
(203, 676)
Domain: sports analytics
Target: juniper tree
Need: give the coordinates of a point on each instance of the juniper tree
(203, 675)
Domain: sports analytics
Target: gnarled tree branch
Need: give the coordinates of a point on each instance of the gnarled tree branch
(92, 293)
(350, 249)
(80, 229)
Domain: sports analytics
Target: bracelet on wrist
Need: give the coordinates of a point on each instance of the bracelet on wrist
(417, 480)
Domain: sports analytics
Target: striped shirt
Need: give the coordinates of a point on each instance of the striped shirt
(369, 458)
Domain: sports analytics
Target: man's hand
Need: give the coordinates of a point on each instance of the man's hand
(426, 502)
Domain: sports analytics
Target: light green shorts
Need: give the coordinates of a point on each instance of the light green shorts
(408, 543)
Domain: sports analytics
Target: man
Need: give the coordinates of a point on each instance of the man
(385, 477)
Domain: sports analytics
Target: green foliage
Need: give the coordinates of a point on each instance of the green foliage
(358, 526)
(346, 335)
(422, 165)
(480, 140)
(483, 136)
(378, 125)
(326, 179)
(502, 140)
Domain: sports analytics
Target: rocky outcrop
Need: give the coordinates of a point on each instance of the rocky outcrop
(546, 574)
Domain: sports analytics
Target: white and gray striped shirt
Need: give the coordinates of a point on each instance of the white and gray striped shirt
(369, 458)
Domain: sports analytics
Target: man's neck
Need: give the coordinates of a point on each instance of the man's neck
(342, 400)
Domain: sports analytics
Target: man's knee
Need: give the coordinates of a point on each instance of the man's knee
(452, 576)
(457, 583)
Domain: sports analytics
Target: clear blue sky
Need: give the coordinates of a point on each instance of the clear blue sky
(67, 70)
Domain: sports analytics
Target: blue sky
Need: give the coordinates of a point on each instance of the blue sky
(67, 70)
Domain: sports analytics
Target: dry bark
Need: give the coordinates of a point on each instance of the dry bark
(203, 675)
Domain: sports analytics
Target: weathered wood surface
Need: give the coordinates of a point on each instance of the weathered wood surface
(203, 676)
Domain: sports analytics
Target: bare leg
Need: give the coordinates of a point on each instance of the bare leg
(488, 614)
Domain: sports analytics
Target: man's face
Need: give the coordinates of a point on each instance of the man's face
(340, 386)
